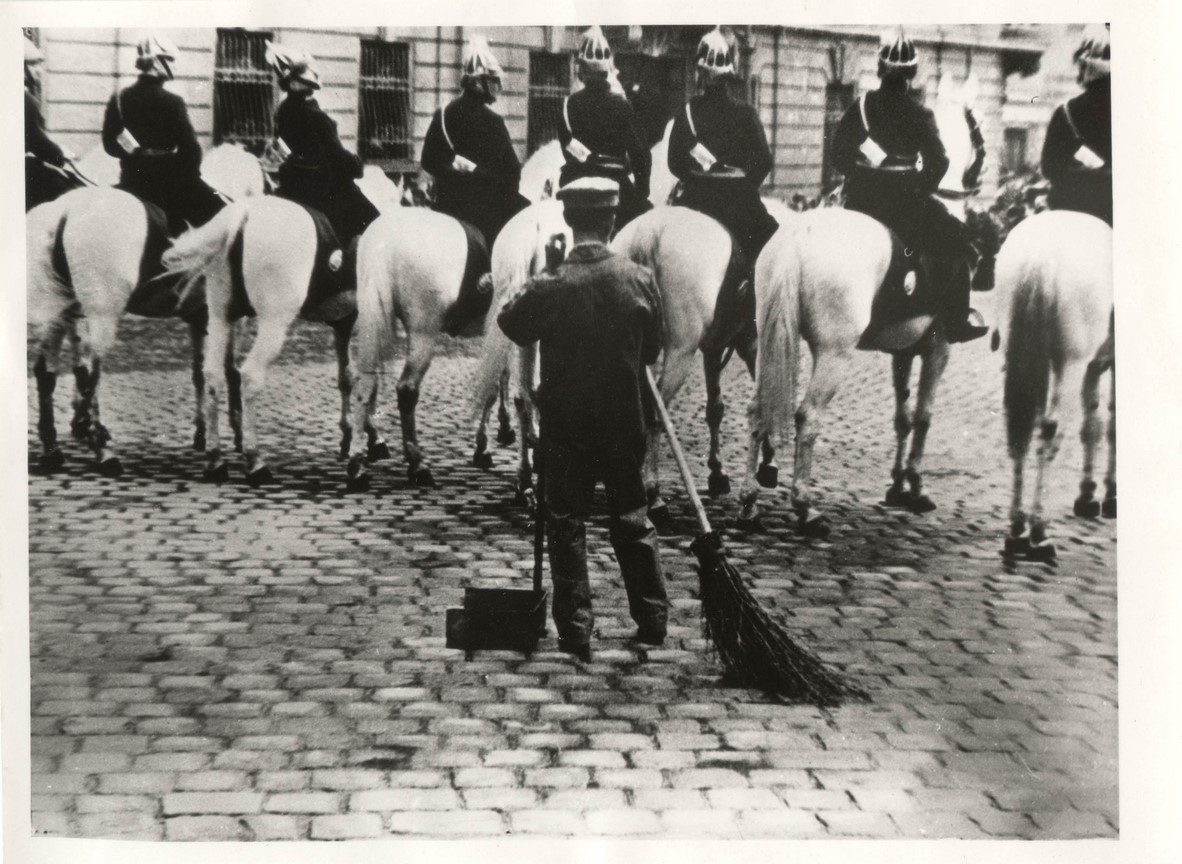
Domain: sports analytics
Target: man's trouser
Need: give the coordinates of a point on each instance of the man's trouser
(1085, 192)
(159, 180)
(340, 200)
(570, 484)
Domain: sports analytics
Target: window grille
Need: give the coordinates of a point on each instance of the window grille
(549, 85)
(386, 115)
(243, 90)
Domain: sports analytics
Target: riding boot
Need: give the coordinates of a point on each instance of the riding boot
(961, 323)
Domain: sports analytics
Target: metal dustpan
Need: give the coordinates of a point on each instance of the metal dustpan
(505, 619)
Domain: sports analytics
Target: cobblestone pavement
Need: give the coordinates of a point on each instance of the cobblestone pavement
(225, 663)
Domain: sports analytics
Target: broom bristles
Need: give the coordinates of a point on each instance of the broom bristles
(753, 647)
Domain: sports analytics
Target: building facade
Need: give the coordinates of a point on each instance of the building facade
(382, 84)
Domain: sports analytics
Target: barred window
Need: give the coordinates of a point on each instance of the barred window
(549, 85)
(385, 112)
(243, 90)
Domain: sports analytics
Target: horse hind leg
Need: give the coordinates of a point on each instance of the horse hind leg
(45, 373)
(100, 336)
(718, 483)
(218, 357)
(1050, 438)
(420, 351)
(1086, 505)
(506, 437)
(828, 369)
(1108, 509)
(934, 363)
(897, 495)
(268, 342)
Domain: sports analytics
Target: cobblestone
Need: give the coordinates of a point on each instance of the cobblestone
(222, 663)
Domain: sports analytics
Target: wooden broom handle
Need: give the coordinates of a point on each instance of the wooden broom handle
(686, 477)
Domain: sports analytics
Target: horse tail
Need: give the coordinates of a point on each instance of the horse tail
(777, 300)
(1029, 284)
(516, 256)
(200, 249)
(375, 330)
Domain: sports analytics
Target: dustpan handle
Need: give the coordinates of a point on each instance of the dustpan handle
(687, 478)
(539, 515)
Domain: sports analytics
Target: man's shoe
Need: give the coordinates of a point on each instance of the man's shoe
(651, 636)
(581, 650)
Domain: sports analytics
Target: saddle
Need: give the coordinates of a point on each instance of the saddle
(904, 306)
(156, 297)
(472, 303)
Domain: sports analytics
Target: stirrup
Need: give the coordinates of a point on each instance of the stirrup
(485, 284)
(335, 260)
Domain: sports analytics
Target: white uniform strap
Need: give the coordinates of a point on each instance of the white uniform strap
(690, 117)
(566, 116)
(862, 111)
(443, 128)
(1071, 122)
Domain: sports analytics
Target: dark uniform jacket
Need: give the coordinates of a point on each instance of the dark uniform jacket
(734, 135)
(319, 172)
(42, 183)
(487, 197)
(900, 199)
(602, 121)
(1085, 120)
(166, 169)
(599, 322)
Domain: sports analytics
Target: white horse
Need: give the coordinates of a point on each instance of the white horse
(816, 280)
(1054, 277)
(84, 253)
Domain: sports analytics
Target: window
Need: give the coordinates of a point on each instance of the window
(385, 114)
(549, 85)
(1014, 157)
(243, 92)
(838, 97)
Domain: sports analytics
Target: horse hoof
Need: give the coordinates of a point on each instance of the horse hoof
(815, 526)
(260, 477)
(55, 460)
(111, 467)
(237, 443)
(1043, 553)
(357, 483)
(484, 460)
(1016, 547)
(80, 429)
(1108, 508)
(718, 484)
(524, 498)
(922, 504)
(659, 513)
(506, 437)
(750, 524)
(422, 478)
(378, 452)
(199, 441)
(897, 496)
(217, 474)
(768, 476)
(1087, 508)
(346, 444)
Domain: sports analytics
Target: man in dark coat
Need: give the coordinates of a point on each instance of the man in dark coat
(598, 134)
(42, 182)
(878, 147)
(598, 319)
(1077, 151)
(469, 153)
(719, 152)
(317, 170)
(147, 129)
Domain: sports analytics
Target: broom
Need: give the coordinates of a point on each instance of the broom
(754, 649)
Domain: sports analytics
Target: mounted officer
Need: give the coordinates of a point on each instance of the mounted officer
(598, 133)
(719, 152)
(469, 153)
(598, 319)
(44, 179)
(879, 146)
(317, 170)
(1077, 151)
(147, 129)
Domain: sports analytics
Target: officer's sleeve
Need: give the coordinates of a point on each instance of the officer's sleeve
(846, 140)
(523, 317)
(37, 141)
(112, 126)
(437, 156)
(1059, 147)
(935, 159)
(681, 141)
(653, 317)
(187, 147)
(345, 162)
(760, 155)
